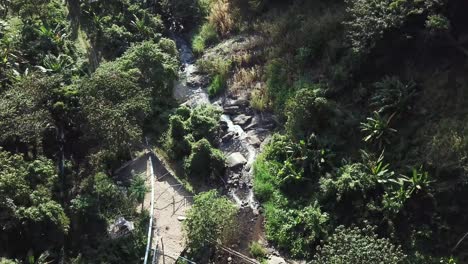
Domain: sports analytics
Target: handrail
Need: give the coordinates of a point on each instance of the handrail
(150, 227)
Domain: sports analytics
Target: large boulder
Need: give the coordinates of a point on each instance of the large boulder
(276, 260)
(242, 120)
(235, 160)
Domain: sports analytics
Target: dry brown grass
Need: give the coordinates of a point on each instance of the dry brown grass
(222, 16)
(246, 78)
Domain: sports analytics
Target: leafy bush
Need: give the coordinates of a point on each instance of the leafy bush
(297, 230)
(354, 245)
(370, 20)
(7, 261)
(211, 219)
(204, 161)
(29, 201)
(123, 93)
(204, 122)
(392, 95)
(352, 178)
(437, 23)
(185, 13)
(308, 112)
(190, 135)
(446, 146)
(116, 41)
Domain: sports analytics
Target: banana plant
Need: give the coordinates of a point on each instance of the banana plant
(377, 129)
(56, 35)
(56, 64)
(418, 181)
(140, 26)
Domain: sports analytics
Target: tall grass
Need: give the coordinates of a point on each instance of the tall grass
(206, 36)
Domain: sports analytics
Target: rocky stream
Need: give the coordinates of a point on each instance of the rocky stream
(243, 130)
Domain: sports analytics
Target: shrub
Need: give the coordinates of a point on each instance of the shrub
(177, 142)
(297, 230)
(204, 161)
(352, 178)
(446, 145)
(185, 12)
(257, 250)
(211, 219)
(308, 112)
(354, 245)
(370, 20)
(392, 95)
(206, 36)
(187, 126)
(437, 23)
(116, 40)
(204, 122)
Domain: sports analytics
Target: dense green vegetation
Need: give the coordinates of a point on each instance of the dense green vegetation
(210, 221)
(191, 138)
(369, 162)
(361, 126)
(80, 84)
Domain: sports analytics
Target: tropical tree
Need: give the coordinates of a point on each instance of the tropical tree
(211, 219)
(28, 204)
(24, 115)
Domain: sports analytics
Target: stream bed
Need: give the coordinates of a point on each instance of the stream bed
(243, 129)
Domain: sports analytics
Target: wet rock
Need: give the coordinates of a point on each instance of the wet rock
(231, 110)
(235, 160)
(242, 120)
(276, 260)
(227, 137)
(196, 80)
(254, 141)
(253, 124)
(239, 102)
(223, 125)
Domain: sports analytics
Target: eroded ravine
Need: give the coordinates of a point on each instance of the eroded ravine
(240, 143)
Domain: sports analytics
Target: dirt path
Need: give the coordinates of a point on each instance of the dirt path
(171, 202)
